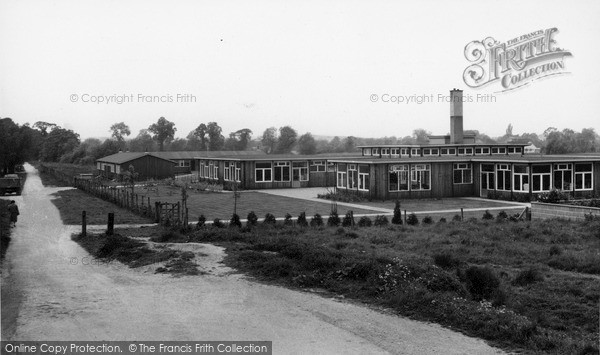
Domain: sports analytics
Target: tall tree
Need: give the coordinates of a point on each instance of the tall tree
(287, 139)
(44, 127)
(269, 140)
(201, 135)
(58, 142)
(215, 137)
(349, 144)
(239, 139)
(119, 130)
(163, 131)
(307, 144)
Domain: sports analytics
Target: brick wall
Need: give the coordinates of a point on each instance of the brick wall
(548, 210)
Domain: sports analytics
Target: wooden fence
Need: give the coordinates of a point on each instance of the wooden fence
(164, 213)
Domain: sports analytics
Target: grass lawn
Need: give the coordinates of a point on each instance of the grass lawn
(220, 204)
(71, 203)
(532, 286)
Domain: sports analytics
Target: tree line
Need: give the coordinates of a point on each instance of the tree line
(49, 142)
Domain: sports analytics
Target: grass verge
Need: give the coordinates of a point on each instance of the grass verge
(133, 252)
(71, 203)
(502, 281)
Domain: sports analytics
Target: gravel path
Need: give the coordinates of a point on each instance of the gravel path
(53, 290)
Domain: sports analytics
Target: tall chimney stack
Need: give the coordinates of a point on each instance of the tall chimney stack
(456, 116)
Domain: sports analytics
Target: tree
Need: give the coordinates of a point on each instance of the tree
(163, 131)
(335, 145)
(57, 143)
(307, 144)
(216, 140)
(421, 135)
(200, 133)
(143, 142)
(118, 131)
(15, 144)
(349, 144)
(287, 139)
(239, 139)
(43, 127)
(269, 140)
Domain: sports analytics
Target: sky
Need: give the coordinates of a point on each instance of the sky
(326, 67)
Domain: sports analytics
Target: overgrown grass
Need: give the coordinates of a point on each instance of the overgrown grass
(136, 253)
(493, 279)
(4, 228)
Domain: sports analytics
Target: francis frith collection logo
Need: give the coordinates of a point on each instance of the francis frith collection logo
(516, 62)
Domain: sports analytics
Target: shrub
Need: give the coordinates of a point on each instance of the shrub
(527, 277)
(397, 219)
(252, 219)
(201, 221)
(487, 215)
(235, 221)
(412, 219)
(269, 219)
(217, 223)
(302, 220)
(427, 220)
(482, 283)
(342, 196)
(364, 221)
(381, 221)
(288, 220)
(446, 260)
(333, 220)
(457, 218)
(442, 220)
(348, 220)
(316, 221)
(554, 196)
(502, 215)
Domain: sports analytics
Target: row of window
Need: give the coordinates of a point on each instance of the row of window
(281, 171)
(353, 176)
(543, 177)
(424, 152)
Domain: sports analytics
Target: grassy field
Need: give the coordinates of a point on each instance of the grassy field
(71, 203)
(533, 286)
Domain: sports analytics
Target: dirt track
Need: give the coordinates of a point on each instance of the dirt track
(52, 290)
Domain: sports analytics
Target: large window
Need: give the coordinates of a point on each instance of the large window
(231, 171)
(498, 150)
(262, 172)
(366, 151)
(503, 177)
(583, 176)
(352, 176)
(420, 177)
(342, 176)
(540, 178)
(521, 178)
(563, 176)
(448, 151)
(487, 177)
(363, 177)
(238, 171)
(463, 173)
(183, 163)
(398, 176)
(415, 152)
(300, 170)
(395, 152)
(227, 174)
(281, 171)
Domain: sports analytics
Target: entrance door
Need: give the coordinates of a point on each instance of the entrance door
(296, 173)
(487, 179)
